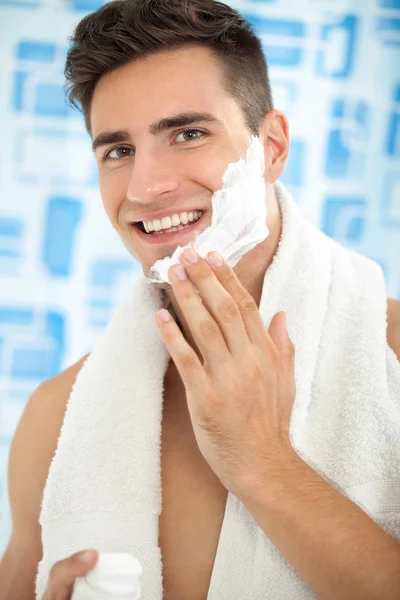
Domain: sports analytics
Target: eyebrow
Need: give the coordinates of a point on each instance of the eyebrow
(181, 120)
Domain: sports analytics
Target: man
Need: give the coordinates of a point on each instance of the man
(171, 91)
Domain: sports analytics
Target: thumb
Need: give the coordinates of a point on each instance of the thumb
(286, 350)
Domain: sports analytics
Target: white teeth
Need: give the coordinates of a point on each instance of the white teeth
(168, 230)
(175, 220)
(166, 223)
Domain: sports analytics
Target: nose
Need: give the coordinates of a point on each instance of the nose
(151, 176)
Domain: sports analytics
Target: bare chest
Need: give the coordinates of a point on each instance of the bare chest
(193, 504)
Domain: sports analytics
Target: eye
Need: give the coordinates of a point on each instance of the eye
(117, 153)
(191, 132)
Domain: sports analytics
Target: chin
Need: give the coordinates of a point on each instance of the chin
(162, 286)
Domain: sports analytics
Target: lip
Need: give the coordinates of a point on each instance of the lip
(181, 237)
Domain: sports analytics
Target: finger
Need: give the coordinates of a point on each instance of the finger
(185, 358)
(205, 330)
(248, 308)
(63, 574)
(222, 307)
(280, 336)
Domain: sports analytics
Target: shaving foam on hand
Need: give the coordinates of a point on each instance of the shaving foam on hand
(239, 214)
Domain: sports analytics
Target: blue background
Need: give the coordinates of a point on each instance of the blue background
(335, 71)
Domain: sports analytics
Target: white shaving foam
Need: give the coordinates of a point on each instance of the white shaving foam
(239, 214)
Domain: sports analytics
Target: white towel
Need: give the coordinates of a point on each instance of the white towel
(104, 484)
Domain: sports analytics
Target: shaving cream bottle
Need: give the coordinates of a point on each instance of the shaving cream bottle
(116, 576)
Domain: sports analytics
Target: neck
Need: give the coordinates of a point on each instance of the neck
(251, 269)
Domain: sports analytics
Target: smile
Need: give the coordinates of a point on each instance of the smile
(176, 233)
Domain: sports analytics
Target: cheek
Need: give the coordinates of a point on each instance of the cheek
(208, 171)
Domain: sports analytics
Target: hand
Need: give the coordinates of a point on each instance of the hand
(241, 398)
(63, 574)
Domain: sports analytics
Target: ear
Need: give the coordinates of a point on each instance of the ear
(274, 135)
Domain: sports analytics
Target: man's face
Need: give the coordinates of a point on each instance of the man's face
(147, 172)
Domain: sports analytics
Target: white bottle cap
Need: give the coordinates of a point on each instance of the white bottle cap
(115, 572)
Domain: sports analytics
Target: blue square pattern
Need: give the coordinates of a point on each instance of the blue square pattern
(295, 170)
(22, 3)
(277, 53)
(84, 5)
(344, 218)
(46, 98)
(341, 39)
(11, 227)
(391, 200)
(346, 140)
(17, 99)
(48, 101)
(389, 3)
(40, 152)
(21, 317)
(42, 52)
(11, 232)
(392, 146)
(104, 272)
(42, 363)
(63, 217)
(43, 359)
(388, 29)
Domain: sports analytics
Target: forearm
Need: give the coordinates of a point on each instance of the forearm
(337, 549)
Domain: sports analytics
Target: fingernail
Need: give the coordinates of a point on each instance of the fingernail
(190, 256)
(164, 315)
(87, 556)
(215, 259)
(180, 273)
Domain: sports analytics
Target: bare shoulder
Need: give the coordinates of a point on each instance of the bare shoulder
(34, 444)
(393, 325)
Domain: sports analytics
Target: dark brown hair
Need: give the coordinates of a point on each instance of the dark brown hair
(124, 30)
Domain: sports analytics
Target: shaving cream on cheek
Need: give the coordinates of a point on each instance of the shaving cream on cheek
(239, 214)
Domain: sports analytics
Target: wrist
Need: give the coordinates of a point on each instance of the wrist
(270, 479)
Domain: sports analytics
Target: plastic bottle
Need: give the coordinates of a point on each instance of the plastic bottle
(116, 576)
